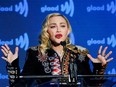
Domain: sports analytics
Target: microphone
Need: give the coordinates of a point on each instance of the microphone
(72, 65)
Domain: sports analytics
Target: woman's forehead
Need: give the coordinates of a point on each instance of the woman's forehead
(56, 19)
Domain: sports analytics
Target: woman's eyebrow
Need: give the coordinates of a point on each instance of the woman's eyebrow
(62, 23)
(52, 24)
(55, 23)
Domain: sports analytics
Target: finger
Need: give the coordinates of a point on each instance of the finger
(4, 59)
(7, 46)
(5, 54)
(4, 48)
(90, 57)
(99, 51)
(110, 59)
(104, 51)
(108, 54)
(16, 50)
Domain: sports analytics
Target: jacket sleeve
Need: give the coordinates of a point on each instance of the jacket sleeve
(13, 71)
(99, 70)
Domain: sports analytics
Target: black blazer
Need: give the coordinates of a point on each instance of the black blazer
(34, 65)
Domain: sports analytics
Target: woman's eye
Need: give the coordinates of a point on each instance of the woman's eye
(62, 25)
(52, 26)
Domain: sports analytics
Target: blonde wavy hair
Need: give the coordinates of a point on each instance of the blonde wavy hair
(44, 36)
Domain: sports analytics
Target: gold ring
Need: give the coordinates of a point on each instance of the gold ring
(8, 50)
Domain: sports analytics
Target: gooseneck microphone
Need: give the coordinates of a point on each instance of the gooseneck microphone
(72, 64)
(73, 71)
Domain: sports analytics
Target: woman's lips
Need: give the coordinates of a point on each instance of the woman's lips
(58, 36)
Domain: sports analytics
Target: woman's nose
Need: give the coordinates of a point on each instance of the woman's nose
(58, 29)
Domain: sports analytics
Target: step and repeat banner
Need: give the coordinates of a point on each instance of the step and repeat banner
(93, 24)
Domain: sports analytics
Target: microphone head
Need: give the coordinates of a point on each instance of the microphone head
(63, 43)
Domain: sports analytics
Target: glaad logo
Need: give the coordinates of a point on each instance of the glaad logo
(10, 42)
(21, 8)
(112, 41)
(22, 42)
(3, 76)
(68, 8)
(109, 41)
(108, 7)
(95, 8)
(112, 7)
(92, 41)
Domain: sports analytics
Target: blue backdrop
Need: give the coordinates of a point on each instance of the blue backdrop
(93, 23)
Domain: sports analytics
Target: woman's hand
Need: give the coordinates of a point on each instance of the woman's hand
(8, 55)
(102, 57)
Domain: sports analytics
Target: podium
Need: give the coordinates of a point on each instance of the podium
(109, 80)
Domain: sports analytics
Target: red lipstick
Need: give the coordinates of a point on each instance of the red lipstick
(58, 36)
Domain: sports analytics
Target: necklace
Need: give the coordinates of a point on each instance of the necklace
(60, 54)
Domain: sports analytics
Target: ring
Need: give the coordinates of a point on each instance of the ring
(8, 51)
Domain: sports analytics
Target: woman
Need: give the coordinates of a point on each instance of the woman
(56, 56)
